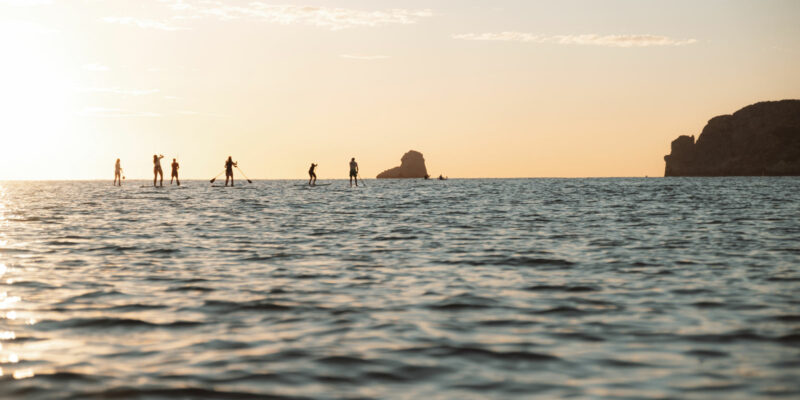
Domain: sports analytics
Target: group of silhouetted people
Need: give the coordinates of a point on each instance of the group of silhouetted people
(158, 173)
(312, 175)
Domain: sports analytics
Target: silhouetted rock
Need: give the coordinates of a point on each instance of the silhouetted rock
(760, 139)
(412, 165)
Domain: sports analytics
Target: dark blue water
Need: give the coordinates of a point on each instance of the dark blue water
(461, 289)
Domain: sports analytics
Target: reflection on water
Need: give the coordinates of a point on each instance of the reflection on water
(9, 315)
(621, 288)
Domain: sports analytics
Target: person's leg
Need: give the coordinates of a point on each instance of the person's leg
(155, 177)
(177, 179)
(161, 175)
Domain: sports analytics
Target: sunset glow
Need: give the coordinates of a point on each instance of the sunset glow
(482, 89)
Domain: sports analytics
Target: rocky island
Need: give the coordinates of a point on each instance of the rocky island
(760, 139)
(412, 165)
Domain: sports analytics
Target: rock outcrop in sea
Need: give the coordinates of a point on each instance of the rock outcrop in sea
(760, 139)
(412, 165)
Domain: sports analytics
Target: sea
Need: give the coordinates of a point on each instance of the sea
(659, 288)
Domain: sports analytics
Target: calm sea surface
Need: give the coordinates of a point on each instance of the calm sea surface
(462, 289)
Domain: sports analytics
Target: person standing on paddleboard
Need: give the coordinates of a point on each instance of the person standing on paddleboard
(157, 171)
(229, 164)
(353, 171)
(117, 174)
(311, 175)
(175, 167)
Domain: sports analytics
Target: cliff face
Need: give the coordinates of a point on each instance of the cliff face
(760, 139)
(412, 165)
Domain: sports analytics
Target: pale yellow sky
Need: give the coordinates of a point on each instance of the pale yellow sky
(482, 88)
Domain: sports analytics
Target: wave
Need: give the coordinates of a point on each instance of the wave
(114, 248)
(90, 296)
(705, 353)
(162, 251)
(254, 305)
(463, 302)
(111, 323)
(190, 288)
(474, 352)
(561, 288)
(513, 261)
(183, 393)
(562, 310)
(136, 307)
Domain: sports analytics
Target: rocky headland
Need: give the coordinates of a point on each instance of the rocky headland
(412, 165)
(760, 139)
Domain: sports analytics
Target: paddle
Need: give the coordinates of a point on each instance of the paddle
(215, 178)
(362, 180)
(245, 176)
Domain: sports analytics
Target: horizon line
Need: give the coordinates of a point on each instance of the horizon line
(346, 179)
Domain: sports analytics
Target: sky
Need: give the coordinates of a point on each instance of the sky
(483, 88)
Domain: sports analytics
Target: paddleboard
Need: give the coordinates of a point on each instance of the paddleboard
(232, 187)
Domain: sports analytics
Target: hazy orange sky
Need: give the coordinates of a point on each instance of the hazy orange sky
(496, 88)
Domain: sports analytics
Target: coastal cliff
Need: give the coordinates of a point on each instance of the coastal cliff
(412, 165)
(760, 139)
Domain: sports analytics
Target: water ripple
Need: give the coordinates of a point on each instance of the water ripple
(547, 288)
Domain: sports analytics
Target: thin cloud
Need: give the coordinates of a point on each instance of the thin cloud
(190, 112)
(363, 57)
(26, 3)
(583, 40)
(102, 112)
(142, 23)
(318, 16)
(16, 28)
(125, 92)
(178, 4)
(96, 67)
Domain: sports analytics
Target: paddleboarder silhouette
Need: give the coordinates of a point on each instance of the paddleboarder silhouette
(157, 171)
(312, 176)
(117, 174)
(174, 174)
(229, 164)
(353, 171)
